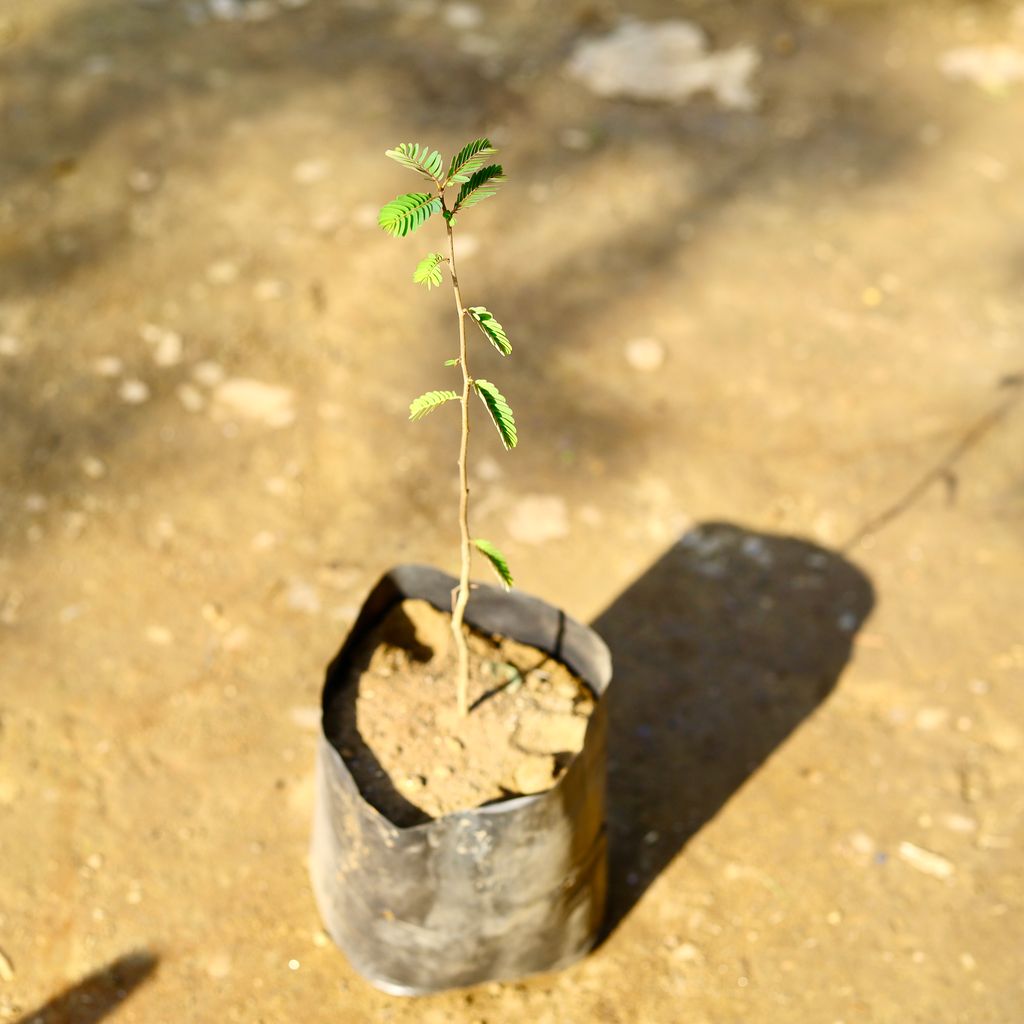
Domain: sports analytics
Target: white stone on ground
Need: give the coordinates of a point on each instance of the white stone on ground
(108, 366)
(302, 597)
(306, 716)
(159, 635)
(166, 345)
(253, 400)
(308, 172)
(190, 397)
(645, 354)
(93, 467)
(463, 15)
(993, 68)
(134, 391)
(538, 518)
(926, 862)
(208, 373)
(222, 272)
(668, 61)
(268, 289)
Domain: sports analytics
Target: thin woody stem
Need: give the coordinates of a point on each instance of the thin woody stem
(462, 592)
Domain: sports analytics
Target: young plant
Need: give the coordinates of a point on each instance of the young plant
(476, 180)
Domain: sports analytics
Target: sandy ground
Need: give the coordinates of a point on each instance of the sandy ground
(770, 443)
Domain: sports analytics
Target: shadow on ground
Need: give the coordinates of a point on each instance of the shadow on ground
(98, 995)
(722, 648)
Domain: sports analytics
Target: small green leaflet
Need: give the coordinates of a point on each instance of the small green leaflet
(405, 214)
(451, 362)
(482, 185)
(428, 402)
(497, 560)
(417, 158)
(499, 410)
(491, 328)
(428, 270)
(469, 159)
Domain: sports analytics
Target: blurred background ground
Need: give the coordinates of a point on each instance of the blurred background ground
(779, 303)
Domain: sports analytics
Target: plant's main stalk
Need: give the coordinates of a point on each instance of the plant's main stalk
(462, 592)
(404, 214)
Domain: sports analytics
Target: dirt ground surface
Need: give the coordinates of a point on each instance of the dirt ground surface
(768, 342)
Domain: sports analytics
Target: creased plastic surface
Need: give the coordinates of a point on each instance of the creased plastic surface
(509, 889)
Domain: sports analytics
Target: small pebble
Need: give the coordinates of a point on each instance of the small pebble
(308, 172)
(535, 774)
(538, 519)
(306, 717)
(142, 181)
(993, 68)
(159, 635)
(134, 391)
(576, 138)
(208, 373)
(268, 289)
(463, 16)
(269, 404)
(191, 398)
(236, 638)
(930, 719)
(222, 272)
(293, 965)
(94, 468)
(959, 823)
(645, 354)
(926, 862)
(166, 345)
(688, 953)
(263, 541)
(219, 965)
(108, 366)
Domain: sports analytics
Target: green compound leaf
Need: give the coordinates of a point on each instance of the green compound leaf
(499, 410)
(428, 270)
(418, 158)
(469, 159)
(482, 185)
(492, 329)
(428, 402)
(497, 560)
(404, 214)
(451, 362)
